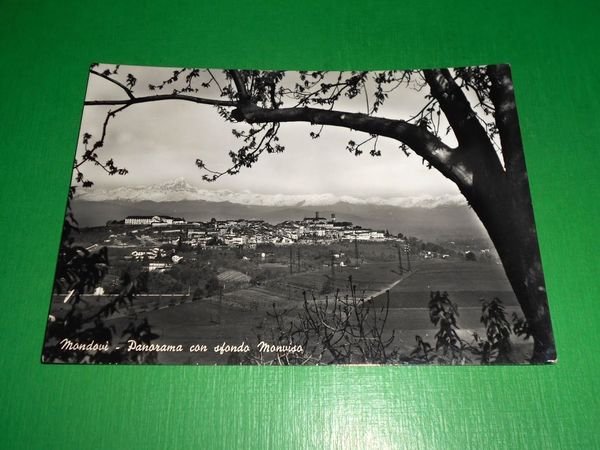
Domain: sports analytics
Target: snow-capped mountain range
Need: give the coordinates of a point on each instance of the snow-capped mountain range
(181, 190)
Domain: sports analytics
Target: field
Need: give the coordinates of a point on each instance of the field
(467, 283)
(233, 276)
(241, 315)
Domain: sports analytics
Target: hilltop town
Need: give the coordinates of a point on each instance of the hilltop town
(252, 232)
(159, 242)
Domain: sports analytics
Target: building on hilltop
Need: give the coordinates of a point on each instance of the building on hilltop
(154, 220)
(315, 220)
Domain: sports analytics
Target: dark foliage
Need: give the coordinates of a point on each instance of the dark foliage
(80, 271)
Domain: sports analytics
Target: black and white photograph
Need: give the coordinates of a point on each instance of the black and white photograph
(250, 217)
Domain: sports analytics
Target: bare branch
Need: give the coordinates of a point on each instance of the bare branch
(215, 80)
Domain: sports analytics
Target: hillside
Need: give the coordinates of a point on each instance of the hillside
(438, 223)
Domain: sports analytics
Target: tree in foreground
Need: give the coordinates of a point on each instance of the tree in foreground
(80, 271)
(475, 105)
(351, 329)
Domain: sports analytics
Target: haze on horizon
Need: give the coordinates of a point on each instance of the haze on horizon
(159, 142)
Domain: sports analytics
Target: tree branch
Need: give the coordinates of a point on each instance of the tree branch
(239, 85)
(475, 154)
(156, 98)
(122, 86)
(425, 144)
(475, 145)
(505, 111)
(457, 109)
(215, 80)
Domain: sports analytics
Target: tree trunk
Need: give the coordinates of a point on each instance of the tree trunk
(507, 215)
(499, 197)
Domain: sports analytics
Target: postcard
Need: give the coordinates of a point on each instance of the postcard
(256, 217)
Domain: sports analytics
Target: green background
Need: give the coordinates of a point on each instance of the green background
(45, 50)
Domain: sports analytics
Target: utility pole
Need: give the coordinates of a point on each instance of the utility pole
(356, 255)
(400, 268)
(332, 268)
(407, 249)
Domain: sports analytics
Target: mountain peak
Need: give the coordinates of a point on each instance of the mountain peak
(178, 184)
(179, 189)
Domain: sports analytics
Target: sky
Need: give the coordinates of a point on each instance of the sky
(158, 142)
